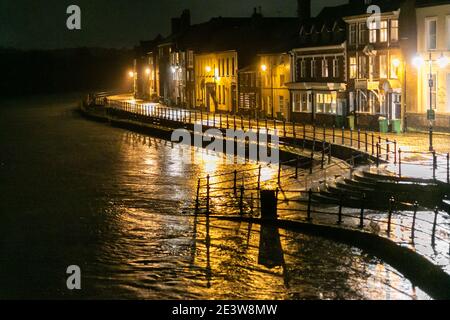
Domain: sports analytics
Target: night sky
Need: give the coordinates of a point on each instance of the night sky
(41, 24)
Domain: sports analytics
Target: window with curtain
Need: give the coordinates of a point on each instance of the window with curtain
(383, 31)
(353, 67)
(431, 33)
(394, 30)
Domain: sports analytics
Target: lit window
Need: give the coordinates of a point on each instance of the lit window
(362, 70)
(313, 68)
(383, 31)
(303, 69)
(373, 32)
(335, 68)
(431, 33)
(352, 37)
(362, 33)
(371, 67)
(353, 67)
(394, 30)
(324, 68)
(383, 66)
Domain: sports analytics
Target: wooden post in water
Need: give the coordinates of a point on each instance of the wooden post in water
(268, 203)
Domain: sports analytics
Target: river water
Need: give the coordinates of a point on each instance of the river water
(76, 192)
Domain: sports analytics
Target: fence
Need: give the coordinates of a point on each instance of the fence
(363, 141)
(434, 162)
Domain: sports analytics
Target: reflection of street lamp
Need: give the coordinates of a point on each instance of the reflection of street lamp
(442, 62)
(264, 69)
(132, 75)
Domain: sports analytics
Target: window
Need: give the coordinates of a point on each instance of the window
(324, 68)
(352, 34)
(190, 60)
(431, 33)
(228, 67)
(362, 33)
(363, 106)
(303, 69)
(335, 68)
(373, 32)
(281, 103)
(383, 66)
(232, 66)
(282, 80)
(394, 30)
(394, 68)
(362, 70)
(383, 31)
(300, 103)
(326, 102)
(371, 67)
(313, 68)
(353, 67)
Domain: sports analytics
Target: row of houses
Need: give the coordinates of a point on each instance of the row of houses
(345, 66)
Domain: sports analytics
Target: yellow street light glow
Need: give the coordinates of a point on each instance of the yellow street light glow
(208, 69)
(396, 62)
(264, 68)
(418, 61)
(147, 71)
(443, 61)
(131, 74)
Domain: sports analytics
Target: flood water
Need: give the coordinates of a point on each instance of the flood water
(115, 203)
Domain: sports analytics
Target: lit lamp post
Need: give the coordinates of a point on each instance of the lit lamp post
(442, 63)
(264, 69)
(132, 75)
(148, 73)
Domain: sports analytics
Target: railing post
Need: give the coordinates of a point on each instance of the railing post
(378, 155)
(235, 181)
(308, 212)
(448, 167)
(259, 178)
(197, 200)
(241, 201)
(359, 139)
(395, 152)
(329, 153)
(296, 167)
(312, 163)
(373, 144)
(304, 133)
(267, 127)
(234, 122)
(279, 172)
(323, 155)
(294, 134)
(391, 204)
(351, 137)
(341, 200)
(433, 239)
(284, 128)
(249, 122)
(314, 133)
(400, 163)
(413, 227)
(324, 133)
(242, 123)
(388, 149)
(343, 135)
(334, 133)
(361, 216)
(207, 194)
(274, 124)
(434, 165)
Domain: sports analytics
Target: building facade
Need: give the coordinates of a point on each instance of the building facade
(216, 81)
(374, 67)
(432, 63)
(274, 73)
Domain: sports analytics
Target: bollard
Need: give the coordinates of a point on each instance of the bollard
(341, 199)
(274, 124)
(388, 149)
(304, 133)
(241, 201)
(400, 163)
(228, 122)
(296, 168)
(294, 134)
(391, 204)
(220, 120)
(329, 153)
(361, 215)
(267, 128)
(343, 135)
(198, 195)
(395, 151)
(413, 227)
(324, 133)
(433, 239)
(378, 155)
(334, 133)
(314, 133)
(365, 141)
(351, 137)
(207, 195)
(308, 212)
(268, 203)
(284, 128)
(259, 178)
(312, 162)
(242, 123)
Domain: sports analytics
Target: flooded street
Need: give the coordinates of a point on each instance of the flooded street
(116, 203)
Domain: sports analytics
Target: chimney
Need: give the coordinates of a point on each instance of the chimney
(304, 9)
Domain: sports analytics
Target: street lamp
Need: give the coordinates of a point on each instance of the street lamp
(131, 75)
(264, 69)
(442, 62)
